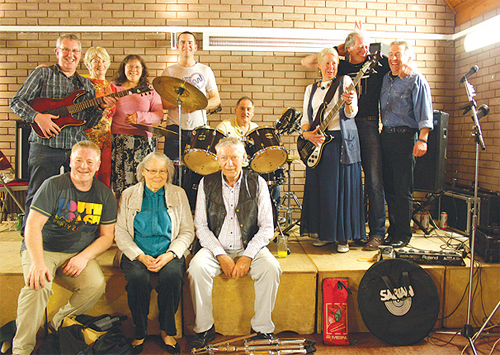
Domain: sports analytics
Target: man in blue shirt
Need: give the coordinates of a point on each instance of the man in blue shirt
(406, 112)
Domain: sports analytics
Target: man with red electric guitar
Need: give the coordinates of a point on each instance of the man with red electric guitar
(65, 106)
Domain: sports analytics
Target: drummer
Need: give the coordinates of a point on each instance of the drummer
(240, 126)
(197, 74)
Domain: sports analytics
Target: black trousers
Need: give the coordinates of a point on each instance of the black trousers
(170, 281)
(398, 163)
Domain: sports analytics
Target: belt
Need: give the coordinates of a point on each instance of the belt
(367, 118)
(401, 129)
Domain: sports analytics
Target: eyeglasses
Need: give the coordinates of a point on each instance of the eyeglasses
(155, 171)
(74, 51)
(232, 158)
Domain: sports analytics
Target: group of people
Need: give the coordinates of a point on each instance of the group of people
(401, 97)
(72, 218)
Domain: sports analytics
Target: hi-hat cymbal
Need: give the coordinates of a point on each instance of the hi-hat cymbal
(173, 89)
(159, 130)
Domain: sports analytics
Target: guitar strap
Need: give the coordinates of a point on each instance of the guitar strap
(328, 97)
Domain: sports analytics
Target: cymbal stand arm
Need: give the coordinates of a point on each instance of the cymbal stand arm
(179, 103)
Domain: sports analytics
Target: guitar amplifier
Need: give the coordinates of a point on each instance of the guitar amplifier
(459, 209)
(487, 246)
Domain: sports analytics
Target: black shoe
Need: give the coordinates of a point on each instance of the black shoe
(260, 336)
(137, 349)
(176, 349)
(202, 339)
(398, 244)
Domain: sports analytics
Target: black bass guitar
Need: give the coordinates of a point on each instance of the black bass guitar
(309, 153)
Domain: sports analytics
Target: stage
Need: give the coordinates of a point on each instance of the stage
(298, 305)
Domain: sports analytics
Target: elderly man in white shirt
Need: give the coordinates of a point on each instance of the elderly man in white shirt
(234, 224)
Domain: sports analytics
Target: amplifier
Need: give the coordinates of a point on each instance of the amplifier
(459, 209)
(487, 247)
(431, 257)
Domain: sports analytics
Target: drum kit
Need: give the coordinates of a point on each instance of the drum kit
(267, 155)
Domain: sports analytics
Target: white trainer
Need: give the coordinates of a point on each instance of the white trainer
(343, 248)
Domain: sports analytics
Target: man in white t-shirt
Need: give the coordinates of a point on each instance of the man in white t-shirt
(197, 74)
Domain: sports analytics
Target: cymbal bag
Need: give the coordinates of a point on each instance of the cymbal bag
(335, 327)
(398, 301)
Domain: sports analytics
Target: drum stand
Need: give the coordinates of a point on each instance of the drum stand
(289, 195)
(179, 103)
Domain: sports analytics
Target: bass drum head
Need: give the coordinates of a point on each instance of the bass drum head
(405, 315)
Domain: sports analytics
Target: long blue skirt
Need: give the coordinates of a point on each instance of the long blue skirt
(333, 197)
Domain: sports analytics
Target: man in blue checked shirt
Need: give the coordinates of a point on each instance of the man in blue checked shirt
(407, 116)
(51, 152)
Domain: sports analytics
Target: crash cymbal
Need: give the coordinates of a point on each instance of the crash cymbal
(172, 89)
(160, 131)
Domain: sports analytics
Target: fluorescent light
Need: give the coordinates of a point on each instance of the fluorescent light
(483, 35)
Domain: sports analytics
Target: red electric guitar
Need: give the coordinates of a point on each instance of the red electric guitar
(65, 107)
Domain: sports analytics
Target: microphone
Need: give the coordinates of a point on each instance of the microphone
(482, 111)
(472, 70)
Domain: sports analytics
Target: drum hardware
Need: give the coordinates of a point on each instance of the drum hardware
(288, 196)
(182, 94)
(289, 121)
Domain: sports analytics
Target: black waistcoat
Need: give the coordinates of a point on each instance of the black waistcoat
(247, 207)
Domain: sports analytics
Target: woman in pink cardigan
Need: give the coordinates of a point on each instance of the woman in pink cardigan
(130, 144)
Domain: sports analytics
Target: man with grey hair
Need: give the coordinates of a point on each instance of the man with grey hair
(407, 116)
(50, 148)
(71, 222)
(234, 224)
(357, 48)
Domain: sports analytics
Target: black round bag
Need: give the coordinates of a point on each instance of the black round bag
(398, 301)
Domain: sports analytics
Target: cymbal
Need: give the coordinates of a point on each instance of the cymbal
(159, 130)
(173, 89)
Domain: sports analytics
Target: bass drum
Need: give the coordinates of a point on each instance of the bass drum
(265, 151)
(200, 155)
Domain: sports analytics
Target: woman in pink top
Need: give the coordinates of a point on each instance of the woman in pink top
(130, 144)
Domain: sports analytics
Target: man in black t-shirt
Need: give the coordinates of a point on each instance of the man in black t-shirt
(70, 223)
(356, 50)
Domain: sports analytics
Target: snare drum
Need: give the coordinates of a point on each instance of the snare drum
(200, 155)
(265, 151)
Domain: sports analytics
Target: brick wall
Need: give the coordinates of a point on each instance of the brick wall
(275, 80)
(461, 149)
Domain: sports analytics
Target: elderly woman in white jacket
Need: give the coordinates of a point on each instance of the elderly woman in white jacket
(154, 230)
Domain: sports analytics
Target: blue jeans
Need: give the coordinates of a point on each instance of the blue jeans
(43, 162)
(371, 161)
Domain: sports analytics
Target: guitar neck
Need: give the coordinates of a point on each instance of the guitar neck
(326, 122)
(80, 106)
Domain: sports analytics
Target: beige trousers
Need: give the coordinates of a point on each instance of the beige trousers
(87, 288)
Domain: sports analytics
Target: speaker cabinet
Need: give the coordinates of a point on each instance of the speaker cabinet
(23, 130)
(429, 173)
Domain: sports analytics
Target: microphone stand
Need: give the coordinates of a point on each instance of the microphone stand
(467, 330)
